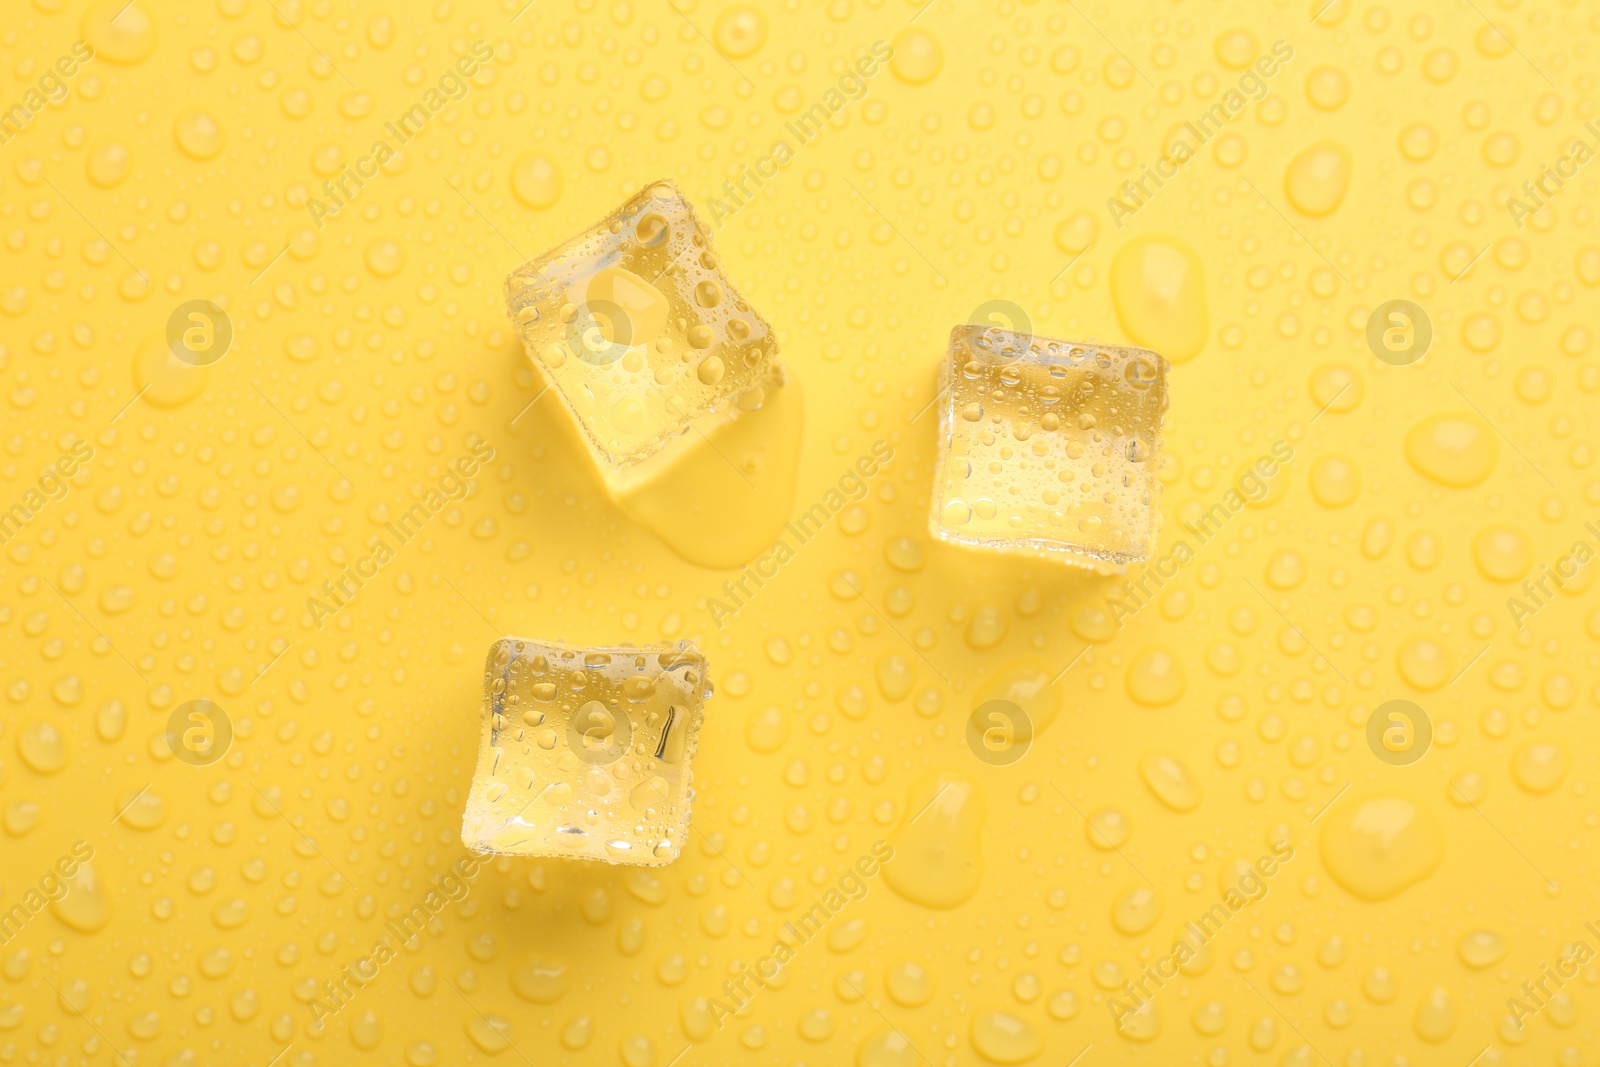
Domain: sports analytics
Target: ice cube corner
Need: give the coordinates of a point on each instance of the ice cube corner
(1049, 448)
(642, 335)
(586, 753)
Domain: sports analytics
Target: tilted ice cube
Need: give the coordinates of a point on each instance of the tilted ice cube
(1049, 447)
(643, 336)
(585, 752)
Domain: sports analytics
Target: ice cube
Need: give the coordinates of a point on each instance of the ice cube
(585, 752)
(643, 336)
(1049, 448)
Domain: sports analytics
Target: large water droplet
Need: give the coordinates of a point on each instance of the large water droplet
(540, 979)
(1452, 448)
(42, 747)
(1377, 847)
(1001, 1037)
(1435, 1019)
(198, 134)
(86, 907)
(938, 861)
(918, 58)
(1539, 766)
(119, 31)
(165, 380)
(1136, 910)
(1317, 179)
(1159, 289)
(1155, 677)
(536, 180)
(739, 32)
(1172, 783)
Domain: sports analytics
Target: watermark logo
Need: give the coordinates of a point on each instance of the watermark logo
(1552, 179)
(51, 88)
(199, 333)
(598, 734)
(1399, 732)
(1251, 487)
(1399, 332)
(852, 486)
(53, 887)
(1004, 315)
(853, 885)
(404, 931)
(54, 484)
(999, 732)
(1251, 87)
(1248, 888)
(199, 732)
(455, 485)
(1567, 570)
(345, 187)
(600, 332)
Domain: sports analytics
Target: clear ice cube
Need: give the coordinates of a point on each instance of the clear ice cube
(585, 753)
(1049, 448)
(642, 335)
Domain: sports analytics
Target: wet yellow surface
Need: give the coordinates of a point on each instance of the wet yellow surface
(1314, 787)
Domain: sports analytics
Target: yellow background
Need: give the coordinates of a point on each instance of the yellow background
(177, 568)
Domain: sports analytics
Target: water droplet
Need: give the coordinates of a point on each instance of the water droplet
(1337, 388)
(198, 134)
(108, 163)
(536, 180)
(366, 1031)
(1317, 179)
(739, 32)
(1423, 663)
(1287, 569)
(888, 1048)
(1435, 1019)
(1452, 448)
(711, 370)
(1237, 48)
(1077, 232)
(896, 673)
(1481, 948)
(540, 979)
(767, 729)
(86, 907)
(1335, 480)
(119, 31)
(385, 257)
(917, 57)
(1155, 677)
(578, 1032)
(1158, 287)
(42, 747)
(493, 1033)
(75, 996)
(1136, 910)
(1143, 1024)
(938, 861)
(986, 628)
(1502, 554)
(1377, 847)
(909, 984)
(1539, 766)
(142, 810)
(1172, 783)
(1001, 1037)
(1107, 829)
(905, 554)
(1379, 985)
